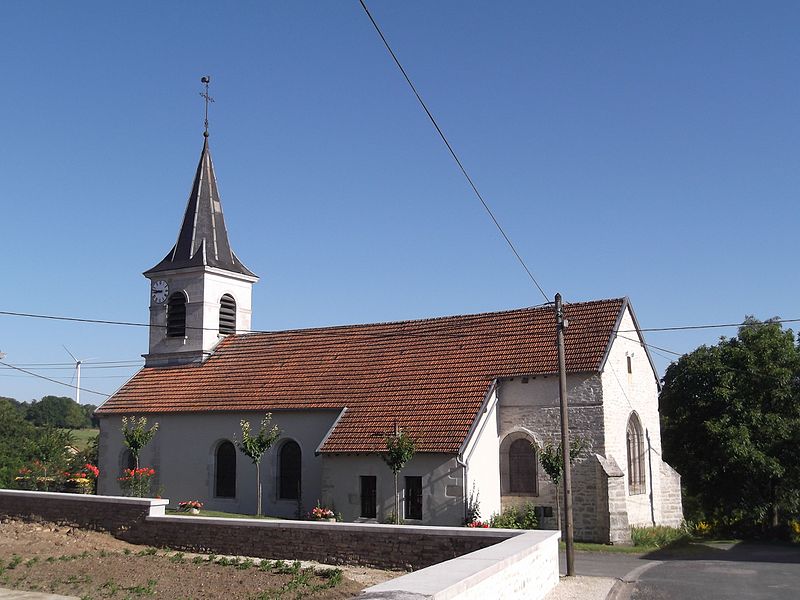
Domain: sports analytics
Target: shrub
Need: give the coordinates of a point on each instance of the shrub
(514, 518)
(659, 536)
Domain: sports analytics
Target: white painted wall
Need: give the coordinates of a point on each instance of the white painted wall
(442, 486)
(482, 455)
(182, 452)
(624, 393)
(204, 287)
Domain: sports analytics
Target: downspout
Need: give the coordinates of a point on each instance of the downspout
(465, 468)
(650, 470)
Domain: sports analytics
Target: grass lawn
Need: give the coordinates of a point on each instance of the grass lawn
(218, 513)
(82, 437)
(617, 549)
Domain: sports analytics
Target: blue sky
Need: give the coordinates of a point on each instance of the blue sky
(639, 149)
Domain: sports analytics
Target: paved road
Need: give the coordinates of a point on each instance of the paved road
(712, 572)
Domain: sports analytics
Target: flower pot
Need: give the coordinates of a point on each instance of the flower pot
(331, 520)
(194, 511)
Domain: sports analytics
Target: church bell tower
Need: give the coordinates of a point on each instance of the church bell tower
(201, 291)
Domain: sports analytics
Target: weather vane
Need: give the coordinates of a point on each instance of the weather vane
(205, 80)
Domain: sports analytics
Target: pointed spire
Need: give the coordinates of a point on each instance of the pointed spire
(203, 238)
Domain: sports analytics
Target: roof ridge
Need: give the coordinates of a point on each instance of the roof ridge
(535, 308)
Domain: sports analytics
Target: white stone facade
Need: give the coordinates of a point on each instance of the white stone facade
(600, 405)
(203, 288)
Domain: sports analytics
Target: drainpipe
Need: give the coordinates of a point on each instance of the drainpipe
(465, 468)
(650, 471)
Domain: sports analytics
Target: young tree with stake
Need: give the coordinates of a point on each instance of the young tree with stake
(137, 436)
(254, 447)
(552, 458)
(399, 450)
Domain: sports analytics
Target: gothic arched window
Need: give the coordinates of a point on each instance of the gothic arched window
(225, 471)
(521, 467)
(176, 315)
(227, 315)
(289, 471)
(636, 466)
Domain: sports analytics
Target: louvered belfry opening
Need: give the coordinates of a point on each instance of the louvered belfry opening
(227, 315)
(176, 315)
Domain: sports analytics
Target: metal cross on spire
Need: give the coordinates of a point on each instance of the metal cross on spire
(205, 80)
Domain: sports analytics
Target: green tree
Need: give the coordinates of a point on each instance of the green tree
(254, 447)
(137, 435)
(57, 411)
(551, 456)
(731, 425)
(48, 448)
(13, 453)
(400, 448)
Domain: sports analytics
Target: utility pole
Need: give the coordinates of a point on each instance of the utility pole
(561, 325)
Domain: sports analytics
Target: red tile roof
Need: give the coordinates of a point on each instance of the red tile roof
(428, 376)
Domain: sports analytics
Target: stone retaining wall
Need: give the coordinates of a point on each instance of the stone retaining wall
(143, 521)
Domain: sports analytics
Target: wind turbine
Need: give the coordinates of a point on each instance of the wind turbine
(77, 374)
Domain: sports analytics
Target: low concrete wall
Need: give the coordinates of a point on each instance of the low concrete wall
(104, 513)
(143, 521)
(524, 566)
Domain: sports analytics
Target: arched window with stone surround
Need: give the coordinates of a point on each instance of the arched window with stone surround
(227, 315)
(176, 315)
(225, 470)
(518, 465)
(636, 456)
(289, 471)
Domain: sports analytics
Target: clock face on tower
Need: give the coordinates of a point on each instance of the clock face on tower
(160, 291)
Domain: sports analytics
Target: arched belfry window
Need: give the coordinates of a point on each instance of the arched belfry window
(636, 456)
(289, 467)
(227, 315)
(225, 471)
(176, 315)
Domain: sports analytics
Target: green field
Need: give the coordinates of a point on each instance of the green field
(82, 437)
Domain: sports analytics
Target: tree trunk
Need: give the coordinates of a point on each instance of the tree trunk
(396, 502)
(258, 486)
(135, 460)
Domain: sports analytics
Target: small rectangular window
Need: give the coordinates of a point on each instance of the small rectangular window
(413, 504)
(630, 364)
(369, 497)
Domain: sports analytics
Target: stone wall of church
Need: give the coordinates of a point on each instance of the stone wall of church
(531, 406)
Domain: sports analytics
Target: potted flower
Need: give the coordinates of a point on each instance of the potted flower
(190, 506)
(321, 513)
(476, 524)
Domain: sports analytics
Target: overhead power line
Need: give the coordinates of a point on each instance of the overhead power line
(650, 345)
(452, 152)
(69, 385)
(712, 326)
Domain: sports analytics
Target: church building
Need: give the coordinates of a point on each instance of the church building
(477, 393)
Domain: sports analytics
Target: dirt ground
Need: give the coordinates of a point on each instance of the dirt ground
(92, 565)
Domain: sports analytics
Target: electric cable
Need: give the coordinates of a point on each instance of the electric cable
(452, 152)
